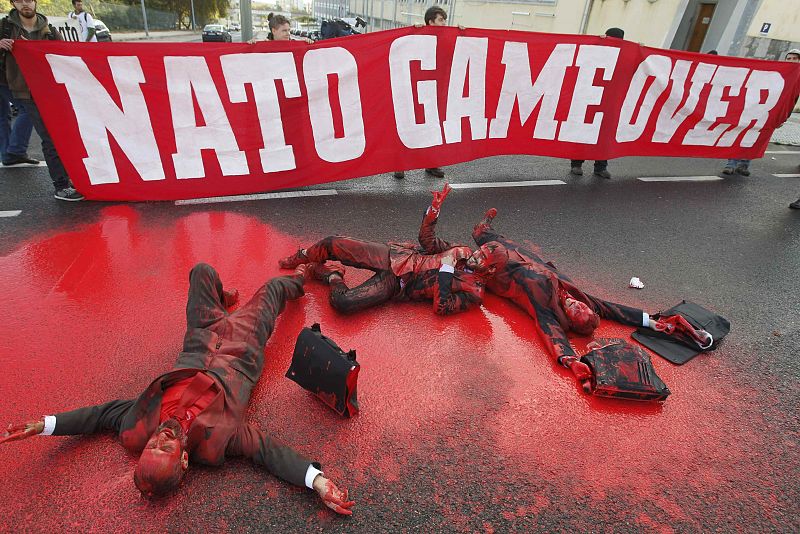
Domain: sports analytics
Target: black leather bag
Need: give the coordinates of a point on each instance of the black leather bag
(321, 367)
(624, 371)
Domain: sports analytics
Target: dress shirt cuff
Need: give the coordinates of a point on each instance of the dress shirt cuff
(447, 269)
(311, 474)
(49, 425)
(645, 320)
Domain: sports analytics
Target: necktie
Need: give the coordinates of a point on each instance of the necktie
(197, 387)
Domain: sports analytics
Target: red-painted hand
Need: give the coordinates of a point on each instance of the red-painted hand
(581, 371)
(333, 497)
(22, 431)
(439, 196)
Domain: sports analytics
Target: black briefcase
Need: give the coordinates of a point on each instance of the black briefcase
(674, 349)
(623, 371)
(321, 367)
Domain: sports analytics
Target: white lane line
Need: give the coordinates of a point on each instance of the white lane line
(782, 152)
(679, 178)
(10, 213)
(786, 175)
(24, 165)
(261, 196)
(480, 185)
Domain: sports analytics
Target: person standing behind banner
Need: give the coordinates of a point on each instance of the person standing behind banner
(434, 16)
(85, 21)
(279, 30)
(742, 166)
(600, 165)
(23, 22)
(15, 134)
(793, 56)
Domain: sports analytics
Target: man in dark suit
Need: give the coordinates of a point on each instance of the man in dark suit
(197, 409)
(452, 276)
(558, 305)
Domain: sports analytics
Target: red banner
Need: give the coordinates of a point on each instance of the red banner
(153, 121)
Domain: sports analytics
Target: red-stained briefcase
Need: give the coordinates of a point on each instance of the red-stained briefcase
(321, 367)
(624, 371)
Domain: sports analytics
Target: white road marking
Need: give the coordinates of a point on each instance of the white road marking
(533, 183)
(23, 165)
(261, 196)
(782, 152)
(10, 213)
(679, 178)
(786, 175)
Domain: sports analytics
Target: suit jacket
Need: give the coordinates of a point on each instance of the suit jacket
(450, 292)
(533, 284)
(219, 430)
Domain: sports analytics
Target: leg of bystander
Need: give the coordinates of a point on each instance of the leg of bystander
(61, 182)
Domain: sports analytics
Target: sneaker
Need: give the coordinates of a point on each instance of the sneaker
(602, 174)
(577, 170)
(676, 325)
(230, 298)
(19, 159)
(728, 170)
(290, 262)
(744, 171)
(399, 175)
(435, 172)
(324, 271)
(70, 194)
(795, 205)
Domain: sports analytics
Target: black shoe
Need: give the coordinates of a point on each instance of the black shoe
(577, 170)
(436, 172)
(19, 159)
(795, 205)
(744, 171)
(602, 173)
(70, 194)
(325, 271)
(728, 170)
(399, 175)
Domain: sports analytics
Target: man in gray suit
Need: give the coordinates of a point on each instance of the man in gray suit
(197, 409)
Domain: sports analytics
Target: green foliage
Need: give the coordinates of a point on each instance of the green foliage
(53, 8)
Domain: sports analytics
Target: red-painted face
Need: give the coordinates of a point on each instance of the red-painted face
(583, 320)
(488, 259)
(163, 460)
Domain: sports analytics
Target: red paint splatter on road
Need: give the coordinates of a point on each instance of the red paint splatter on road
(465, 422)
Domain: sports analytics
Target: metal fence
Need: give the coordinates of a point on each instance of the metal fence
(129, 17)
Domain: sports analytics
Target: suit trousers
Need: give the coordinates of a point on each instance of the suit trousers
(252, 323)
(361, 254)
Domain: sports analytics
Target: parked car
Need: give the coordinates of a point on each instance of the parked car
(101, 31)
(215, 32)
(236, 27)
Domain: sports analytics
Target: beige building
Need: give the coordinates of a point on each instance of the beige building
(753, 28)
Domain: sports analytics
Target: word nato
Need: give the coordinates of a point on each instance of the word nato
(186, 76)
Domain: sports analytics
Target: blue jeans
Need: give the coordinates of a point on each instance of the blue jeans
(741, 163)
(54, 166)
(13, 139)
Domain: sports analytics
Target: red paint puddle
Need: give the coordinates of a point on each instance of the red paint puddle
(463, 417)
